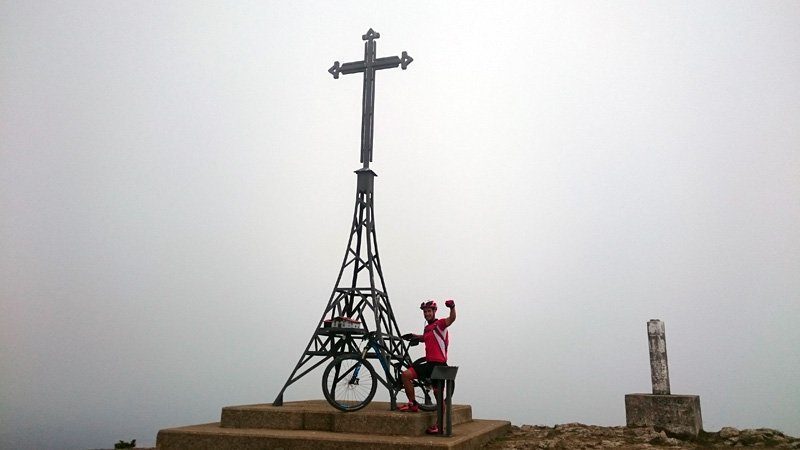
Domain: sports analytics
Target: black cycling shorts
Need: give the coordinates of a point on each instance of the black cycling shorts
(425, 368)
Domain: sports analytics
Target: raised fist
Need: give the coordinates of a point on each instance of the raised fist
(450, 304)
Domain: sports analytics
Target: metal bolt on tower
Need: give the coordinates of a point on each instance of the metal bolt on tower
(359, 297)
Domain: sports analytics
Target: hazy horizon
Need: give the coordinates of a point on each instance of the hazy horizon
(176, 191)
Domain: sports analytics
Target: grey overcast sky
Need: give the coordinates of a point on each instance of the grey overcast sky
(176, 191)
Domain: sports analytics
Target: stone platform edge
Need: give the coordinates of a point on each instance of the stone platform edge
(466, 436)
(318, 415)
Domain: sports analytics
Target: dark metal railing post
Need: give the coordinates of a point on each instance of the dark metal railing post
(444, 378)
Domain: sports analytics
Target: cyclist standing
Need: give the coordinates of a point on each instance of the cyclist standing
(436, 339)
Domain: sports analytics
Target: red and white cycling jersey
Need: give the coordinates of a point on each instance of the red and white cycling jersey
(436, 340)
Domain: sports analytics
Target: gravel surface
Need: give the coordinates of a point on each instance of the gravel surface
(580, 436)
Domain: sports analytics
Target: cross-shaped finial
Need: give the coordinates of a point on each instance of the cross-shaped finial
(368, 66)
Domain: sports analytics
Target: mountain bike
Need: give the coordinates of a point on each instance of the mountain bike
(349, 382)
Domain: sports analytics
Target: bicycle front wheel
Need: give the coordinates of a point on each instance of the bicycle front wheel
(349, 382)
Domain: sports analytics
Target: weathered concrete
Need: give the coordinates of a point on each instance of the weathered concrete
(466, 436)
(318, 415)
(678, 414)
(659, 370)
(317, 425)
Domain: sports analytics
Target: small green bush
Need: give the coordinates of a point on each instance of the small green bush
(123, 444)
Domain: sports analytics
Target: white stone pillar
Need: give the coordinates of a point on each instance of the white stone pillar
(659, 372)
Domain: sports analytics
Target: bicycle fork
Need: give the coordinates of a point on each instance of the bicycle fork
(357, 368)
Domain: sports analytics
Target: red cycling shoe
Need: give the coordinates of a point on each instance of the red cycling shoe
(433, 429)
(409, 407)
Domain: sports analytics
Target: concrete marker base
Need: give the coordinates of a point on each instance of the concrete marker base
(677, 414)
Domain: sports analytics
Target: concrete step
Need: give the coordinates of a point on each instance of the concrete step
(466, 436)
(318, 415)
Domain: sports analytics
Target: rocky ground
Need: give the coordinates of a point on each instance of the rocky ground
(580, 436)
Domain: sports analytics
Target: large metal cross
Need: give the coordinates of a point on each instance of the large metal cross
(369, 65)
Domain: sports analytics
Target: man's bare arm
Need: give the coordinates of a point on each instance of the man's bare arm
(452, 317)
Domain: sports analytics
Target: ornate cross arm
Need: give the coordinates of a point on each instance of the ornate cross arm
(369, 61)
(388, 62)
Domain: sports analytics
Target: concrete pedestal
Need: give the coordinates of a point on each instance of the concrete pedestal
(315, 424)
(678, 414)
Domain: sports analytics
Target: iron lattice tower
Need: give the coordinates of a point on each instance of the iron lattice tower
(359, 296)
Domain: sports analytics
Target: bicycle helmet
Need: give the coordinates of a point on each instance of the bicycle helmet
(429, 304)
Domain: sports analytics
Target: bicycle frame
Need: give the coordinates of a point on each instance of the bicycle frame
(377, 348)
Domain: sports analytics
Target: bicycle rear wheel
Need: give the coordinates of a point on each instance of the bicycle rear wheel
(423, 392)
(349, 382)
(424, 396)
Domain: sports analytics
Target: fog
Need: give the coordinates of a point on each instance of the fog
(176, 191)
